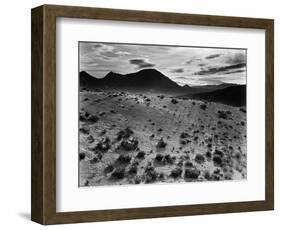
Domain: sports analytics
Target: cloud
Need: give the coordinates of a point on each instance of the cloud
(236, 71)
(179, 70)
(213, 56)
(192, 60)
(122, 53)
(141, 63)
(107, 51)
(215, 70)
(236, 58)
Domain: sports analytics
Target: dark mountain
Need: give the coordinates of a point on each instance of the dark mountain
(232, 95)
(145, 80)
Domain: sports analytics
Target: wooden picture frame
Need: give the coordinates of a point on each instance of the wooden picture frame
(43, 208)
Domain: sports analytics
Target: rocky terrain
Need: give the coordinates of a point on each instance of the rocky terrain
(127, 136)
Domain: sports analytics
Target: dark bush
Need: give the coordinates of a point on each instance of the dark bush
(126, 133)
(118, 173)
(243, 110)
(203, 106)
(161, 143)
(104, 144)
(90, 139)
(208, 154)
(199, 158)
(217, 160)
(150, 174)
(124, 159)
(191, 173)
(133, 169)
(175, 173)
(130, 144)
(84, 130)
(223, 114)
(109, 168)
(159, 157)
(82, 156)
(184, 135)
(174, 101)
(92, 118)
(188, 164)
(140, 155)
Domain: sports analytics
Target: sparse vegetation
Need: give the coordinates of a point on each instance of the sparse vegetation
(128, 137)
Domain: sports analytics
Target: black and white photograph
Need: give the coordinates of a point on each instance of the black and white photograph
(152, 114)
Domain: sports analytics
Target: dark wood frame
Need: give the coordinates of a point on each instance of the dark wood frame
(43, 188)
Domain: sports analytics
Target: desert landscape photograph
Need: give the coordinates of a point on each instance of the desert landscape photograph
(152, 114)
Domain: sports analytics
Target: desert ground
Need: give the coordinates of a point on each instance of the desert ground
(135, 138)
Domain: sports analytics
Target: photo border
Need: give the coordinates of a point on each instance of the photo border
(43, 158)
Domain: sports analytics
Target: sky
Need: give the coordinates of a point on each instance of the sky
(184, 65)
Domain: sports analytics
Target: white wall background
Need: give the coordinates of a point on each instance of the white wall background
(15, 113)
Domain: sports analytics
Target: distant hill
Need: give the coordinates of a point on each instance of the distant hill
(232, 95)
(151, 80)
(145, 80)
(209, 88)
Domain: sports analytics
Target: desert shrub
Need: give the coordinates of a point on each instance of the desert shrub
(199, 158)
(184, 135)
(130, 144)
(90, 139)
(133, 169)
(208, 154)
(159, 157)
(174, 101)
(109, 168)
(94, 160)
(124, 159)
(191, 173)
(92, 118)
(150, 174)
(104, 144)
(140, 154)
(126, 133)
(168, 159)
(118, 173)
(217, 161)
(243, 110)
(218, 153)
(183, 142)
(161, 143)
(203, 106)
(207, 175)
(82, 156)
(188, 164)
(137, 180)
(84, 130)
(223, 114)
(175, 173)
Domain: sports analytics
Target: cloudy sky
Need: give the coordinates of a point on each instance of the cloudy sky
(184, 65)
